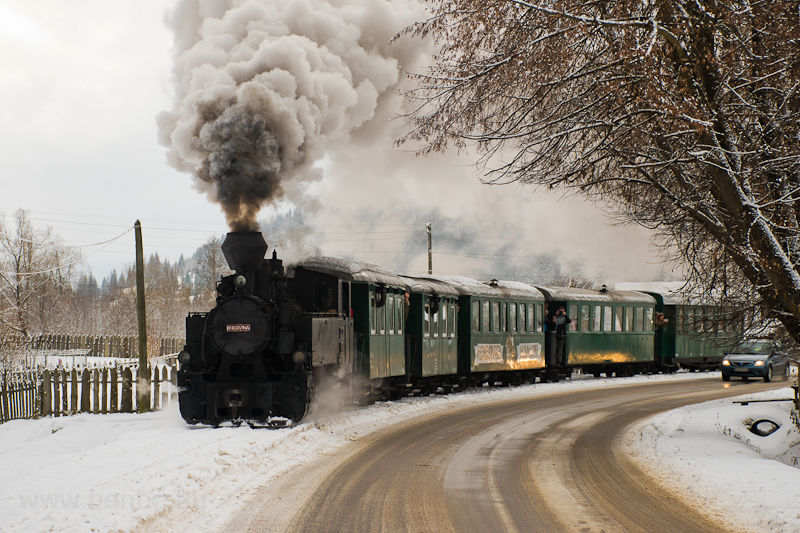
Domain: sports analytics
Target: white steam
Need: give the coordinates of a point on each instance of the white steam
(265, 87)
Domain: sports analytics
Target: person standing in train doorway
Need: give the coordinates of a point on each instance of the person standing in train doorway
(561, 320)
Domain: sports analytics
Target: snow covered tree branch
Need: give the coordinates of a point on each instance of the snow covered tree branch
(679, 115)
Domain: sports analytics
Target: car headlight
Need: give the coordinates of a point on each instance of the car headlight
(725, 362)
(759, 363)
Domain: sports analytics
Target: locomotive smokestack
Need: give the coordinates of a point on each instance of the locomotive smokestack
(244, 250)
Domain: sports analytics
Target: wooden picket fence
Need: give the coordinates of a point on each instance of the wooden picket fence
(28, 390)
(96, 345)
(36, 393)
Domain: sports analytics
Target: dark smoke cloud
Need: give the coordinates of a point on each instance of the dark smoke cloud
(265, 87)
(243, 163)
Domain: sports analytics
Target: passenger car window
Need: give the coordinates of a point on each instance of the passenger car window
(443, 319)
(584, 318)
(639, 319)
(373, 313)
(485, 316)
(495, 316)
(512, 318)
(618, 314)
(539, 316)
(596, 318)
(426, 328)
(476, 316)
(390, 314)
(435, 323)
(531, 318)
(607, 318)
(400, 312)
(648, 321)
(381, 320)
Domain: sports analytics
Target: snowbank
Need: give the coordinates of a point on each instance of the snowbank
(707, 454)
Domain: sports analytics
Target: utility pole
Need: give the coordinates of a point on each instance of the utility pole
(143, 386)
(430, 249)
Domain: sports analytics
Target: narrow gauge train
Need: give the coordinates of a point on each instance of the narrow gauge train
(273, 339)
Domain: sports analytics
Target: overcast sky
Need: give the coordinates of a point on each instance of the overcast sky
(82, 82)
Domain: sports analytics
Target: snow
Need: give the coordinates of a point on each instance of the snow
(126, 472)
(707, 455)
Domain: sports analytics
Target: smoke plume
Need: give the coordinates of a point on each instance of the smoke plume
(268, 93)
(264, 87)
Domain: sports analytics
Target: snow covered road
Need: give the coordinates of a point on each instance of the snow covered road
(152, 472)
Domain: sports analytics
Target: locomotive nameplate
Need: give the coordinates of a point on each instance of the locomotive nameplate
(237, 328)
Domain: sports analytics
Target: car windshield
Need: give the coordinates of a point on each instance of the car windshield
(754, 347)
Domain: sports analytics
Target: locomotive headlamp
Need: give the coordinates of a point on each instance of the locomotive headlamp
(298, 357)
(759, 363)
(725, 362)
(240, 281)
(184, 357)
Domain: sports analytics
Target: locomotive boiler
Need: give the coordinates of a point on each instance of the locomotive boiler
(241, 361)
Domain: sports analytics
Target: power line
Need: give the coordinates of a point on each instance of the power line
(55, 244)
(67, 265)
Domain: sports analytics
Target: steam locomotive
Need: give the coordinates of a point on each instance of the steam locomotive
(276, 336)
(241, 361)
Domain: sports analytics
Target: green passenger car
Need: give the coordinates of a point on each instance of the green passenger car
(696, 337)
(431, 333)
(610, 331)
(373, 297)
(499, 330)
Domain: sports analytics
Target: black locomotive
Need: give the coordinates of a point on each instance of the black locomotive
(241, 360)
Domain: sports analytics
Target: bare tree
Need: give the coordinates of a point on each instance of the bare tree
(210, 266)
(167, 298)
(33, 262)
(679, 115)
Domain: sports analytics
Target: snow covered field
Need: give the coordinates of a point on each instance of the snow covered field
(128, 471)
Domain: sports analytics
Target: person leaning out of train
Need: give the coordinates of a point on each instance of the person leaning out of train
(560, 321)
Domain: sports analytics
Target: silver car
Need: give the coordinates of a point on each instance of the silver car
(755, 359)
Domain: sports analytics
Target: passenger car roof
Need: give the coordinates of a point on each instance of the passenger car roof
(595, 295)
(427, 285)
(488, 289)
(350, 270)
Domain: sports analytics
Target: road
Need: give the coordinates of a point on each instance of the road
(544, 464)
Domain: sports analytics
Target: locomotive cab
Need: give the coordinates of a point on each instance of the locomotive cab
(240, 361)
